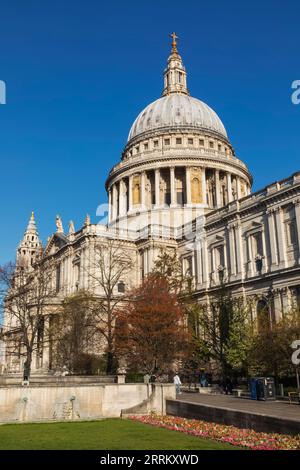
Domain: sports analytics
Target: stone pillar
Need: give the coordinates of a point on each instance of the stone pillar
(204, 197)
(272, 236)
(281, 238)
(240, 255)
(264, 247)
(46, 343)
(157, 181)
(109, 205)
(188, 185)
(297, 213)
(143, 190)
(205, 273)
(172, 187)
(122, 202)
(286, 300)
(199, 263)
(250, 260)
(120, 208)
(277, 306)
(115, 202)
(231, 235)
(146, 266)
(229, 187)
(238, 187)
(130, 193)
(217, 180)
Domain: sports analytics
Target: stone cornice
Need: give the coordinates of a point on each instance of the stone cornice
(256, 205)
(169, 130)
(231, 164)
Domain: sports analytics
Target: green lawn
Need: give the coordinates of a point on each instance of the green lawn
(108, 434)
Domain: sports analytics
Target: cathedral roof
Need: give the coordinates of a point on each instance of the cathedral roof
(176, 108)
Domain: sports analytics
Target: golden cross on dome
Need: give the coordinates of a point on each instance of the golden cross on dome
(174, 43)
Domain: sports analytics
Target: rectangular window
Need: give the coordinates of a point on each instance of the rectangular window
(155, 143)
(219, 147)
(190, 141)
(146, 146)
(201, 142)
(121, 287)
(257, 245)
(167, 141)
(211, 145)
(137, 149)
(58, 278)
(178, 140)
(291, 233)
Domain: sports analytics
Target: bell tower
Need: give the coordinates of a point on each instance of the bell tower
(30, 247)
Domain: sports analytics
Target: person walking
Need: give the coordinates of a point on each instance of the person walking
(177, 383)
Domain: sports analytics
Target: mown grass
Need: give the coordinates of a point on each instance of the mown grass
(108, 434)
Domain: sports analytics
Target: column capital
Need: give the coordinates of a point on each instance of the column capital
(296, 202)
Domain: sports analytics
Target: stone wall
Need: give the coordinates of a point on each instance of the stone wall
(76, 402)
(231, 417)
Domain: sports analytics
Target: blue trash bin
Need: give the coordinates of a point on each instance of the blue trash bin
(253, 388)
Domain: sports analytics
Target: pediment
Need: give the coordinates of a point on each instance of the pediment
(55, 243)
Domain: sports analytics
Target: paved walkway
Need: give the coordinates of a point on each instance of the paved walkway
(268, 408)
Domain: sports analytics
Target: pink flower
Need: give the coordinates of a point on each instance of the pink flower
(239, 437)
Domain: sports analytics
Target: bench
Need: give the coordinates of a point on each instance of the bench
(237, 392)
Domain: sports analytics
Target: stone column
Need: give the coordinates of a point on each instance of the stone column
(239, 251)
(146, 267)
(114, 202)
(122, 206)
(277, 306)
(297, 213)
(229, 187)
(46, 343)
(188, 185)
(264, 247)
(172, 187)
(157, 181)
(250, 260)
(217, 180)
(272, 235)
(286, 300)
(199, 263)
(109, 205)
(238, 187)
(281, 238)
(204, 253)
(231, 235)
(130, 193)
(143, 190)
(204, 197)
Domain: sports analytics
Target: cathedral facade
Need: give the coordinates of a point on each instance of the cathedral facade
(180, 186)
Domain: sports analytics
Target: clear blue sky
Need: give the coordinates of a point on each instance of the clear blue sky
(79, 72)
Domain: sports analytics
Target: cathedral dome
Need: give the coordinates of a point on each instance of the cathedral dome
(177, 110)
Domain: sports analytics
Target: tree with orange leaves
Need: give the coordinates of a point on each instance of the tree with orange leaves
(151, 334)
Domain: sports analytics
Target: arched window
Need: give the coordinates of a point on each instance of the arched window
(263, 315)
(136, 194)
(196, 191)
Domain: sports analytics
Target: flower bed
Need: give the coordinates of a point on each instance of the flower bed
(246, 438)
